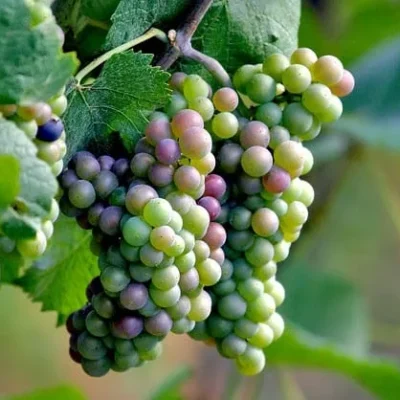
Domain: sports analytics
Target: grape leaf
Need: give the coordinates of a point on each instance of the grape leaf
(9, 182)
(33, 67)
(99, 9)
(37, 184)
(301, 349)
(235, 32)
(18, 226)
(59, 279)
(10, 265)
(126, 91)
(133, 18)
(60, 393)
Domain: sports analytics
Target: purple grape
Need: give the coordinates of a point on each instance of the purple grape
(134, 296)
(68, 209)
(158, 325)
(255, 133)
(81, 194)
(141, 164)
(106, 162)
(249, 185)
(104, 184)
(75, 356)
(120, 167)
(276, 180)
(212, 205)
(50, 131)
(157, 130)
(218, 255)
(78, 155)
(215, 236)
(109, 220)
(138, 196)
(94, 213)
(83, 222)
(229, 157)
(143, 146)
(167, 151)
(215, 186)
(87, 167)
(67, 178)
(161, 175)
(127, 327)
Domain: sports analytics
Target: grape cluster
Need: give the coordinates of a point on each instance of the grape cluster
(190, 230)
(42, 124)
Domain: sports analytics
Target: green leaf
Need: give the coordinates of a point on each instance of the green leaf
(132, 18)
(33, 67)
(99, 9)
(9, 182)
(126, 91)
(330, 307)
(59, 279)
(10, 265)
(170, 389)
(301, 349)
(18, 226)
(38, 186)
(60, 393)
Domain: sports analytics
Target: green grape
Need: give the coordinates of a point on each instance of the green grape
(256, 161)
(264, 222)
(130, 253)
(261, 88)
(150, 256)
(219, 327)
(162, 237)
(176, 104)
(188, 238)
(177, 247)
(240, 218)
(333, 112)
(261, 252)
(183, 325)
(233, 346)
(275, 64)
(250, 289)
(265, 271)
(277, 324)
(270, 114)
(278, 293)
(39, 13)
(204, 106)
(166, 278)
(307, 194)
(296, 78)
(232, 306)
(33, 248)
(209, 272)
(165, 298)
(194, 86)
(313, 132)
(204, 165)
(289, 156)
(297, 119)
(195, 143)
(279, 206)
(308, 161)
(114, 279)
(96, 325)
(226, 99)
(327, 70)
(124, 346)
(261, 308)
(224, 288)
(201, 250)
(297, 214)
(263, 337)
(59, 105)
(240, 240)
(281, 251)
(103, 305)
(242, 270)
(90, 347)
(157, 212)
(251, 362)
(126, 361)
(140, 273)
(180, 309)
(303, 56)
(185, 262)
(244, 328)
(29, 127)
(317, 98)
(136, 231)
(291, 237)
(196, 221)
(293, 192)
(176, 222)
(225, 125)
(278, 135)
(243, 75)
(96, 368)
(200, 307)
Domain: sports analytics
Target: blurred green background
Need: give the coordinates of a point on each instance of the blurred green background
(353, 235)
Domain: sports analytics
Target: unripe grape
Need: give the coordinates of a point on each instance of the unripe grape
(233, 346)
(261, 88)
(297, 214)
(281, 251)
(263, 337)
(303, 56)
(203, 106)
(270, 114)
(296, 78)
(254, 133)
(278, 293)
(225, 99)
(195, 143)
(165, 298)
(33, 248)
(218, 255)
(194, 86)
(256, 161)
(225, 125)
(307, 194)
(196, 221)
(275, 64)
(345, 86)
(184, 120)
(50, 152)
(317, 98)
(308, 161)
(82, 194)
(157, 130)
(313, 132)
(243, 75)
(327, 70)
(201, 250)
(204, 165)
(250, 289)
(143, 146)
(229, 157)
(277, 324)
(105, 183)
(209, 272)
(232, 306)
(59, 105)
(297, 119)
(200, 307)
(176, 81)
(264, 222)
(176, 104)
(261, 252)
(29, 127)
(333, 112)
(289, 156)
(87, 167)
(260, 309)
(187, 178)
(157, 212)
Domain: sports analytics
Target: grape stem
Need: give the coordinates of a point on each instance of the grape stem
(181, 45)
(151, 33)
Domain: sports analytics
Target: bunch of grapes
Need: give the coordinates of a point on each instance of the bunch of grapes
(190, 230)
(42, 124)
